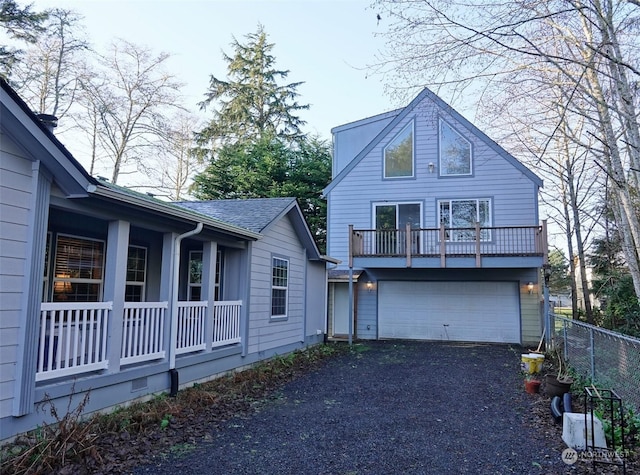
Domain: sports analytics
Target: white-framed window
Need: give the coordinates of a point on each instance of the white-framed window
(455, 152)
(398, 154)
(279, 287)
(461, 215)
(47, 266)
(194, 291)
(217, 291)
(391, 221)
(78, 270)
(136, 274)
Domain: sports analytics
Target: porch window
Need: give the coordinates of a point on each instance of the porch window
(78, 269)
(398, 155)
(47, 265)
(279, 286)
(194, 292)
(136, 274)
(456, 214)
(217, 291)
(195, 276)
(455, 152)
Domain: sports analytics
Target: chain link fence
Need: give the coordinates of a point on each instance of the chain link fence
(608, 359)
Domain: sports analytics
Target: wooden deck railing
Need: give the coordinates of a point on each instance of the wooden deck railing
(446, 242)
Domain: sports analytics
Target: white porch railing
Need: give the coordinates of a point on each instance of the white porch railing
(191, 326)
(73, 338)
(143, 331)
(226, 322)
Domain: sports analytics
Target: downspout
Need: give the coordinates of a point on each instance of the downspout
(174, 307)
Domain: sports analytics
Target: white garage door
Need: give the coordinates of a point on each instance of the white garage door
(455, 311)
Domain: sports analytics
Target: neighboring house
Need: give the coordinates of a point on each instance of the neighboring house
(114, 292)
(437, 228)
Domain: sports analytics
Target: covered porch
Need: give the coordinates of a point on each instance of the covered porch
(125, 292)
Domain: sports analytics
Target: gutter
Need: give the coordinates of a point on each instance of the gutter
(183, 213)
(174, 306)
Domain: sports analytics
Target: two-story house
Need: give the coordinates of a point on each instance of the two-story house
(437, 228)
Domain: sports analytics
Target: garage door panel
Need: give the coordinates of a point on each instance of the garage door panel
(456, 311)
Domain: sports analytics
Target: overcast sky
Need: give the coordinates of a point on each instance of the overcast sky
(325, 44)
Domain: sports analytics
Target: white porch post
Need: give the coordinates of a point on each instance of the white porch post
(115, 277)
(209, 256)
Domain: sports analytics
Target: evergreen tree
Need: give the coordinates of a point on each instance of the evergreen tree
(269, 168)
(20, 23)
(560, 280)
(250, 103)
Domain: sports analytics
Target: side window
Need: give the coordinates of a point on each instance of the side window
(136, 274)
(279, 286)
(455, 152)
(78, 269)
(398, 155)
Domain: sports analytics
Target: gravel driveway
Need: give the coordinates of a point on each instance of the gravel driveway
(389, 407)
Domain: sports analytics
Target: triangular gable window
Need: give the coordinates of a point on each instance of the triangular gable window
(398, 155)
(455, 152)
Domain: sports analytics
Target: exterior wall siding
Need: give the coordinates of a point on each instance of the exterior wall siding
(15, 197)
(264, 332)
(513, 194)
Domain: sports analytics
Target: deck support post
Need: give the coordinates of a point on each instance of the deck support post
(443, 244)
(407, 243)
(478, 258)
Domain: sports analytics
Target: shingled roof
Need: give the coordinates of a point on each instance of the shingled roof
(252, 214)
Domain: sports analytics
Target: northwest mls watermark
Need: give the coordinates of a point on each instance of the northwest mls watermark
(571, 456)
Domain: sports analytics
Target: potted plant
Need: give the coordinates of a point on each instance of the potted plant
(531, 384)
(560, 383)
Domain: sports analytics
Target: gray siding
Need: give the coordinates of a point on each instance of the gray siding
(513, 194)
(15, 197)
(350, 139)
(316, 298)
(265, 333)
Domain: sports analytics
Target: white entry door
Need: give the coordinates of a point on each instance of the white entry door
(341, 308)
(455, 311)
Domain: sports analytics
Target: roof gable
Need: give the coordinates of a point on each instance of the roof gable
(440, 104)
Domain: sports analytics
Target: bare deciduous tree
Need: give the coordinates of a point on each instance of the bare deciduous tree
(589, 47)
(132, 93)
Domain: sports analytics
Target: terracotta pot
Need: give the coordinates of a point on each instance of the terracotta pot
(553, 387)
(532, 386)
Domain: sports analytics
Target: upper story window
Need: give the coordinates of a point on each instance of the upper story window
(136, 274)
(398, 155)
(78, 269)
(460, 218)
(279, 286)
(455, 152)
